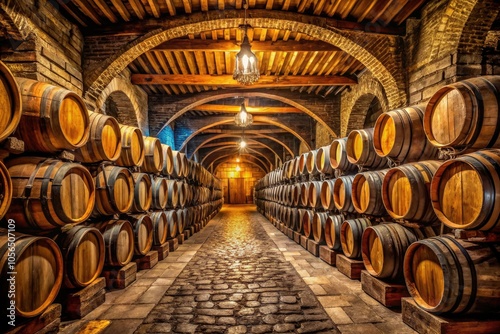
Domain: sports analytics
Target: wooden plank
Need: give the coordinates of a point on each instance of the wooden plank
(155, 8)
(63, 4)
(408, 10)
(313, 247)
(87, 9)
(47, 322)
(147, 261)
(286, 5)
(103, 6)
(228, 81)
(367, 10)
(392, 11)
(319, 7)
(349, 267)
(122, 10)
(227, 46)
(204, 5)
(328, 255)
(426, 323)
(173, 244)
(387, 294)
(171, 7)
(222, 108)
(137, 8)
(380, 10)
(187, 6)
(80, 303)
(347, 8)
(303, 241)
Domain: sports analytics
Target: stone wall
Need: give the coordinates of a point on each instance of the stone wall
(41, 44)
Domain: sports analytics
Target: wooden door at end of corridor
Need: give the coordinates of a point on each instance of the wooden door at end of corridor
(237, 191)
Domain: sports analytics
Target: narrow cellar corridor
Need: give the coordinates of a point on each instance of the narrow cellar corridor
(240, 275)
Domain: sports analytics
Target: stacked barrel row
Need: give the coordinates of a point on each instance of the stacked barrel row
(115, 194)
(442, 273)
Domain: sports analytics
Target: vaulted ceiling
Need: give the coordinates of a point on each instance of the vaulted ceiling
(203, 61)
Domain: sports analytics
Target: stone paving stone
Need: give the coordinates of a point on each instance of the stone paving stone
(237, 281)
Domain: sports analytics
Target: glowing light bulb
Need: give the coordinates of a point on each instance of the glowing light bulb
(238, 168)
(243, 144)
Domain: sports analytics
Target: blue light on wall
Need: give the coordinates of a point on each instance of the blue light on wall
(166, 136)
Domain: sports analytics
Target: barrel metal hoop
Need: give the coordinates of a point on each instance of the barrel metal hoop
(44, 199)
(472, 267)
(494, 138)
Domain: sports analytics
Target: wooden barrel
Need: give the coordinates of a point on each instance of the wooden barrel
(119, 241)
(5, 189)
(366, 193)
(326, 194)
(332, 231)
(399, 135)
(181, 194)
(173, 194)
(351, 233)
(318, 227)
(465, 114)
(405, 191)
(83, 252)
(296, 191)
(446, 275)
(104, 143)
(132, 147)
(180, 220)
(307, 220)
(53, 119)
(303, 164)
(338, 156)
(159, 189)
(142, 226)
(383, 248)
(185, 164)
(153, 155)
(342, 193)
(143, 194)
(172, 224)
(359, 148)
(168, 160)
(464, 191)
(312, 168)
(304, 193)
(160, 227)
(114, 191)
(314, 194)
(49, 193)
(300, 224)
(39, 268)
(292, 217)
(10, 103)
(323, 160)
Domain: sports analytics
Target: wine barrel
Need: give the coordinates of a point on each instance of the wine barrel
(104, 142)
(296, 197)
(153, 155)
(53, 119)
(5, 189)
(332, 232)
(39, 268)
(366, 193)
(114, 191)
(405, 192)
(143, 195)
(142, 226)
(314, 194)
(338, 156)
(160, 227)
(318, 227)
(351, 233)
(180, 221)
(342, 193)
(359, 148)
(119, 241)
(10, 103)
(465, 114)
(323, 160)
(383, 248)
(304, 193)
(182, 194)
(292, 217)
(302, 214)
(326, 194)
(399, 135)
(312, 168)
(306, 224)
(132, 147)
(178, 170)
(303, 164)
(159, 189)
(464, 191)
(172, 224)
(83, 252)
(446, 275)
(173, 194)
(168, 160)
(49, 193)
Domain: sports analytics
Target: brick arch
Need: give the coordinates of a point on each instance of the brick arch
(215, 137)
(356, 103)
(232, 147)
(209, 21)
(246, 161)
(130, 110)
(257, 118)
(220, 96)
(15, 22)
(249, 141)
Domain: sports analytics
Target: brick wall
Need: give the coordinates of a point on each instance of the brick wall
(249, 172)
(51, 49)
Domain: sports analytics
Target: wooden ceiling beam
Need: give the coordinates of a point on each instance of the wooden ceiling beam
(221, 108)
(228, 81)
(142, 27)
(257, 132)
(228, 46)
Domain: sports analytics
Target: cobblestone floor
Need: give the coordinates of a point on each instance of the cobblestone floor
(241, 275)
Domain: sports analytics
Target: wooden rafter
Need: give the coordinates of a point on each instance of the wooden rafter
(221, 108)
(228, 81)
